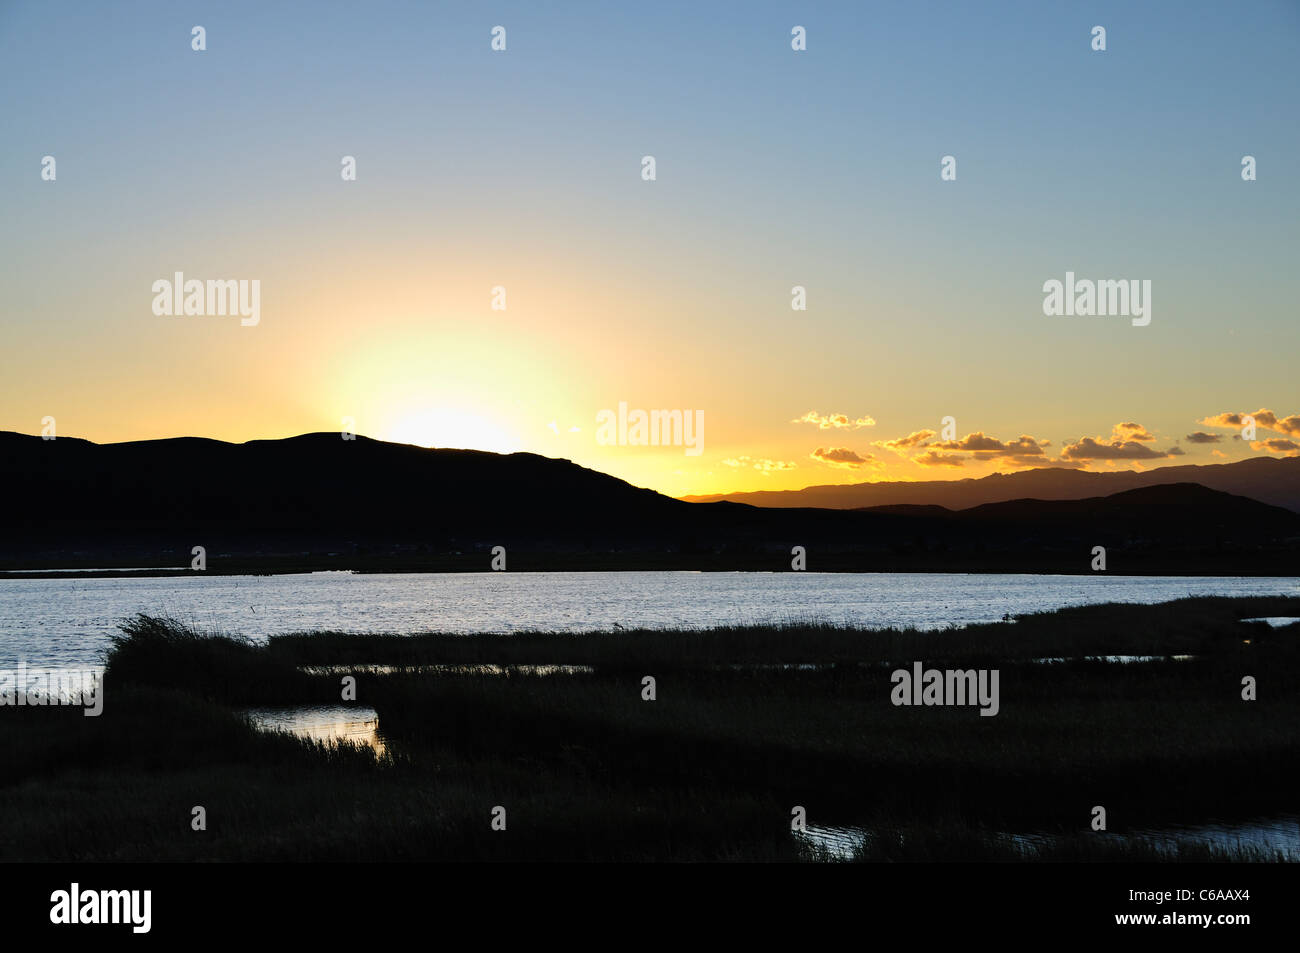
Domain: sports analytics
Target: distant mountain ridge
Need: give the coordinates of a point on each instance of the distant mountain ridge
(1267, 479)
(317, 501)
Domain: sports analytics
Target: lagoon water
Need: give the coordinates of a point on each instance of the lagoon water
(66, 622)
(357, 724)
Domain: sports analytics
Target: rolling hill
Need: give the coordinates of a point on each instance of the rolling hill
(1267, 479)
(317, 501)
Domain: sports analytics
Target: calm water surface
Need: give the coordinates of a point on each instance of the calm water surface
(66, 622)
(329, 724)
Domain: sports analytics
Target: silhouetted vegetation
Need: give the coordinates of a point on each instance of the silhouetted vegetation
(747, 723)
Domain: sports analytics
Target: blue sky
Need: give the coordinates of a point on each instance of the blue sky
(775, 168)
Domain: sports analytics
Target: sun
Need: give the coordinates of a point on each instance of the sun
(451, 428)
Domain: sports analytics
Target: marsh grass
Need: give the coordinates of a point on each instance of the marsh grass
(707, 771)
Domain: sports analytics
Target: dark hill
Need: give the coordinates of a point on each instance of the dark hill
(312, 483)
(1181, 513)
(318, 501)
(1267, 479)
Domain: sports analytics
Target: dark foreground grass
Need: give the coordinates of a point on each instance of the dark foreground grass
(747, 723)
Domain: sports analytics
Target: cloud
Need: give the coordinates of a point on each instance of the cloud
(1024, 451)
(833, 421)
(933, 458)
(1276, 445)
(762, 464)
(1089, 449)
(914, 440)
(841, 457)
(1263, 418)
(1130, 431)
(986, 448)
(1201, 436)
(1127, 442)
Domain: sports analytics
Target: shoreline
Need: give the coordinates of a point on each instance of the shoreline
(533, 563)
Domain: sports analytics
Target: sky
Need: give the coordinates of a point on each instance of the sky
(522, 169)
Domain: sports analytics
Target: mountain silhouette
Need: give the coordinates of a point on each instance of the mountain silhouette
(318, 501)
(1267, 479)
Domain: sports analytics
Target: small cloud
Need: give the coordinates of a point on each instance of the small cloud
(1130, 431)
(1276, 445)
(933, 458)
(841, 457)
(1222, 420)
(1127, 442)
(1263, 418)
(833, 421)
(1024, 451)
(761, 464)
(987, 448)
(913, 441)
(1201, 436)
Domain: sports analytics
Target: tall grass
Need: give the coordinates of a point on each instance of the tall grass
(588, 770)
